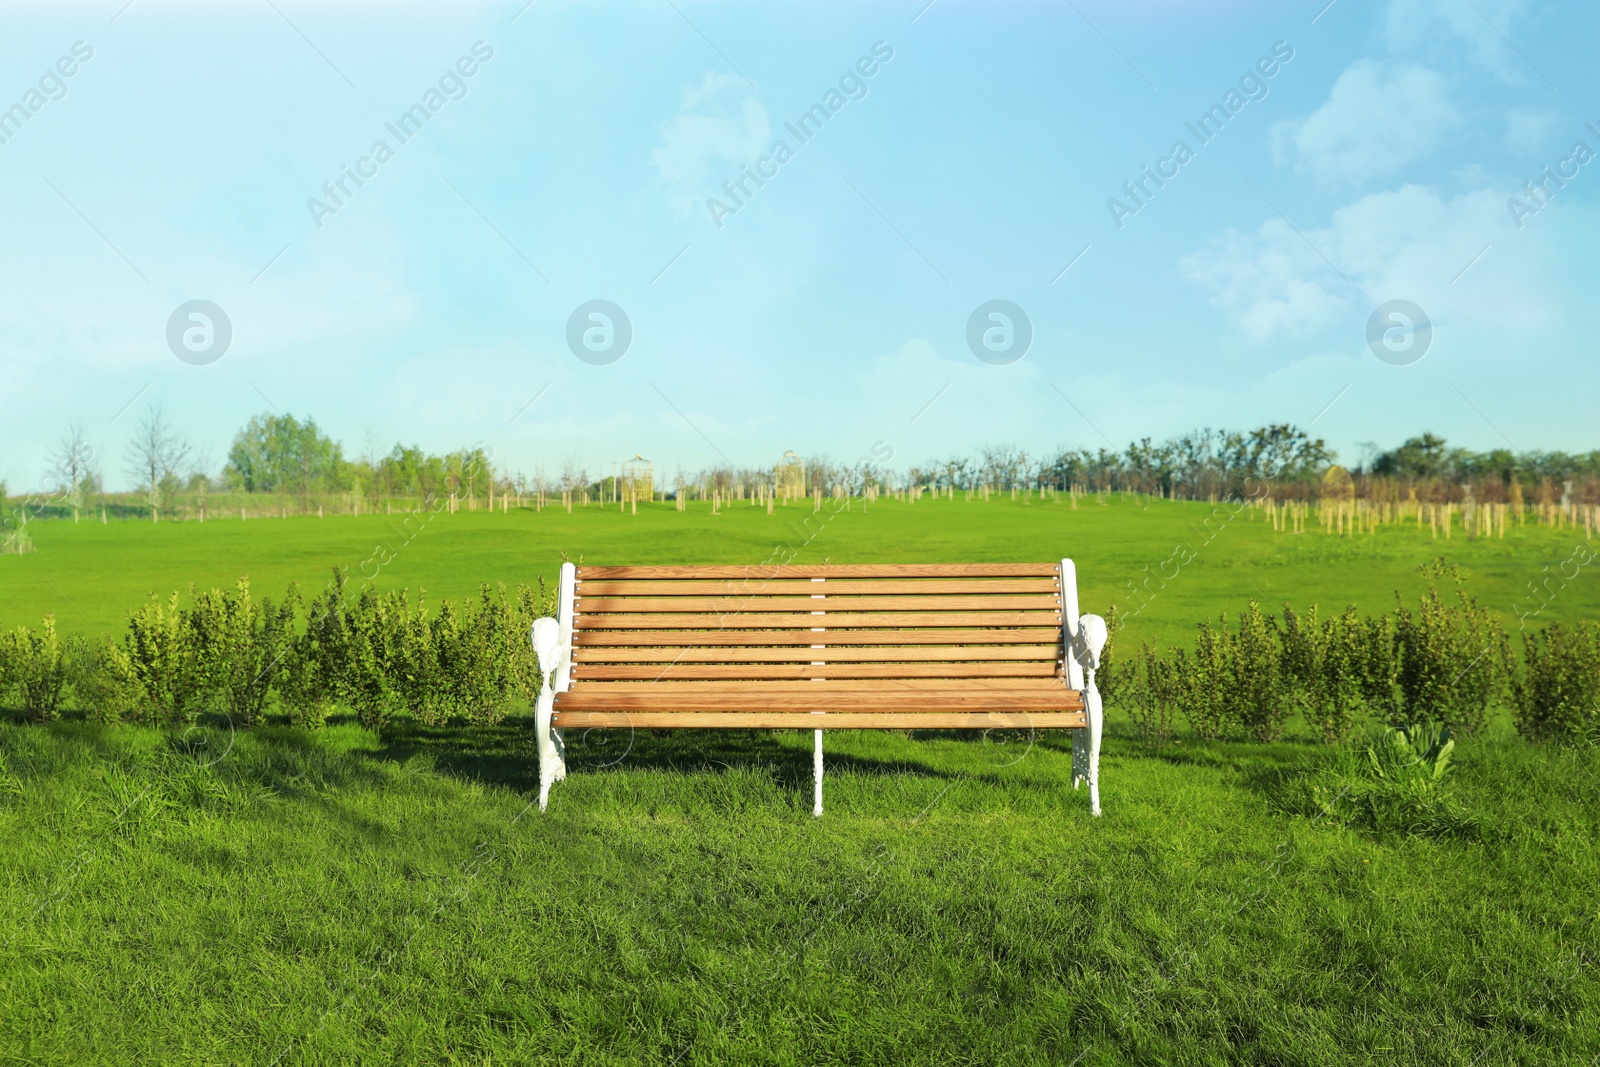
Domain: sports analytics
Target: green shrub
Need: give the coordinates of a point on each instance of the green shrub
(35, 665)
(370, 637)
(162, 662)
(1325, 668)
(236, 646)
(1154, 692)
(1118, 682)
(308, 676)
(427, 656)
(533, 602)
(497, 650)
(1453, 661)
(1556, 697)
(1202, 682)
(104, 682)
(1255, 671)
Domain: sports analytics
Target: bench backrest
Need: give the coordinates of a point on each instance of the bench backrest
(849, 624)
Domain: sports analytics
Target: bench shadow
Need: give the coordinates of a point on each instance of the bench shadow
(506, 755)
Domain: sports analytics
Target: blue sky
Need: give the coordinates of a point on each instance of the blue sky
(829, 312)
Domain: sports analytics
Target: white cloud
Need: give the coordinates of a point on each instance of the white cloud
(1445, 26)
(1409, 243)
(1376, 120)
(718, 127)
(1270, 282)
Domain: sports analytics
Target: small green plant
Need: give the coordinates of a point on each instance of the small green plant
(1396, 781)
(1117, 681)
(307, 677)
(1556, 697)
(370, 638)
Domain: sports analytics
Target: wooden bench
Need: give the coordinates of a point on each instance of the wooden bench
(876, 647)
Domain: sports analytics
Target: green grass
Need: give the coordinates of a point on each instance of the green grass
(336, 899)
(91, 575)
(340, 897)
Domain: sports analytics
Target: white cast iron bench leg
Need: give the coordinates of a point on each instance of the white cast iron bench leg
(1091, 634)
(816, 772)
(546, 637)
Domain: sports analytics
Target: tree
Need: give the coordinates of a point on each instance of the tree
(1417, 458)
(72, 468)
(279, 453)
(154, 456)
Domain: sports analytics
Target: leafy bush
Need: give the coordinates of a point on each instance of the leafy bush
(1557, 695)
(104, 682)
(307, 679)
(499, 655)
(1326, 668)
(1372, 656)
(1113, 678)
(235, 644)
(34, 663)
(162, 663)
(225, 651)
(370, 639)
(1155, 685)
(1255, 669)
(1453, 661)
(1202, 681)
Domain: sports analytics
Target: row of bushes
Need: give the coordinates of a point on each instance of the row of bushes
(227, 652)
(1439, 662)
(380, 653)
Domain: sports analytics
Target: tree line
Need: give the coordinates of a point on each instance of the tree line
(295, 460)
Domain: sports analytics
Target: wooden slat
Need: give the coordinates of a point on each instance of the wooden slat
(780, 587)
(765, 696)
(767, 720)
(1050, 687)
(830, 570)
(868, 654)
(803, 671)
(789, 621)
(719, 605)
(831, 638)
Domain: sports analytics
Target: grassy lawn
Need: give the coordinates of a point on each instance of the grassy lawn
(91, 575)
(285, 897)
(336, 898)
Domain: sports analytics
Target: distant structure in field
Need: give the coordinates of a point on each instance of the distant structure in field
(638, 478)
(789, 477)
(1337, 484)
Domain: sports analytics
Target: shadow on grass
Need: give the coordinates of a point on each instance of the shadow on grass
(505, 754)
